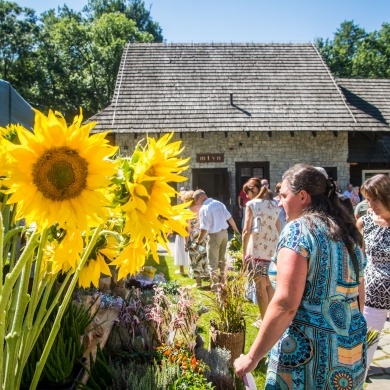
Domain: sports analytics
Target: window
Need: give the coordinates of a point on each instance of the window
(367, 173)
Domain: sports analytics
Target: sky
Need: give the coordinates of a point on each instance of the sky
(258, 21)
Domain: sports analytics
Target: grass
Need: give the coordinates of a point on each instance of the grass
(167, 267)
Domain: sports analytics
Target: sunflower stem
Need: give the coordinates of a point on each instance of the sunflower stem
(20, 301)
(28, 334)
(7, 287)
(61, 309)
(2, 312)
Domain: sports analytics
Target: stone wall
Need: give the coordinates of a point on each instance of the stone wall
(281, 150)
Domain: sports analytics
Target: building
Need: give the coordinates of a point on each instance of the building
(244, 110)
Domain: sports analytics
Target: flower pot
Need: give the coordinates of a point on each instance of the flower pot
(233, 342)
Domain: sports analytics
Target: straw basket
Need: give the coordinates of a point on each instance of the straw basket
(233, 342)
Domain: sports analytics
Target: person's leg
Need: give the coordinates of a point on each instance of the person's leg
(375, 320)
(213, 258)
(223, 241)
(243, 218)
(261, 294)
(270, 289)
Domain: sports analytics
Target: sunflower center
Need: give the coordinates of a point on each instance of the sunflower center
(60, 174)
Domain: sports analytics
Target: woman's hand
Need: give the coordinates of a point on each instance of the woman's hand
(243, 365)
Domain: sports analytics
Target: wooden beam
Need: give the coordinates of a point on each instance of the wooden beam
(291, 133)
(336, 133)
(314, 133)
(269, 133)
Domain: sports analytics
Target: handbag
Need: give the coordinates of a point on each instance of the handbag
(256, 225)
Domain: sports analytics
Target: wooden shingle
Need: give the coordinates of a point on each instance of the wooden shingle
(226, 87)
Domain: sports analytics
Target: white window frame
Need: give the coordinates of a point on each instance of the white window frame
(372, 172)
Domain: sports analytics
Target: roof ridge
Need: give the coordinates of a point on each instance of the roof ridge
(334, 82)
(120, 78)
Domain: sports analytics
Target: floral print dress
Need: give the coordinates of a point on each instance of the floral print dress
(198, 255)
(325, 345)
(262, 244)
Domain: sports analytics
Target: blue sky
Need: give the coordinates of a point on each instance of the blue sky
(260, 21)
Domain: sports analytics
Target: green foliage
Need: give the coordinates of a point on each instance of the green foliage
(68, 59)
(101, 376)
(221, 375)
(67, 347)
(62, 357)
(162, 374)
(355, 53)
(170, 288)
(166, 266)
(234, 249)
(228, 303)
(133, 376)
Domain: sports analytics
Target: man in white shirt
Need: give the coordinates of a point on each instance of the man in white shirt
(213, 220)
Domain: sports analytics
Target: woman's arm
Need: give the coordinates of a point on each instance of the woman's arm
(278, 226)
(291, 281)
(246, 231)
(359, 225)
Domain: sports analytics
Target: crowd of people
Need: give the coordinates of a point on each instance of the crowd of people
(332, 255)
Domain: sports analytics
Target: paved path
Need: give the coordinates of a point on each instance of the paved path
(379, 374)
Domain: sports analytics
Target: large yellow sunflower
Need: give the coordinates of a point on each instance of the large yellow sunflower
(150, 214)
(56, 173)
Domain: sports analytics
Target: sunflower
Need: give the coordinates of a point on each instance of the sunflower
(56, 173)
(131, 259)
(150, 214)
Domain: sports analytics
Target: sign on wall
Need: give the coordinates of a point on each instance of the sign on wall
(209, 157)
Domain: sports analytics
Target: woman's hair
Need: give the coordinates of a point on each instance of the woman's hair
(325, 204)
(256, 182)
(277, 188)
(187, 196)
(377, 187)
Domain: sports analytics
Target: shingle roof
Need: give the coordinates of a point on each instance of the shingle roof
(225, 87)
(369, 101)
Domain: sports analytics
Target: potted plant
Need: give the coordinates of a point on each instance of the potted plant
(227, 329)
(234, 250)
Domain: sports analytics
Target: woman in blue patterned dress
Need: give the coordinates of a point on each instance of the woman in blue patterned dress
(313, 323)
(375, 226)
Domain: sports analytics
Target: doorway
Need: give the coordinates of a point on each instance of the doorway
(246, 170)
(214, 182)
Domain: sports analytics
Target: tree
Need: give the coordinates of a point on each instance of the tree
(66, 59)
(340, 52)
(80, 60)
(18, 36)
(355, 53)
(134, 10)
(372, 58)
